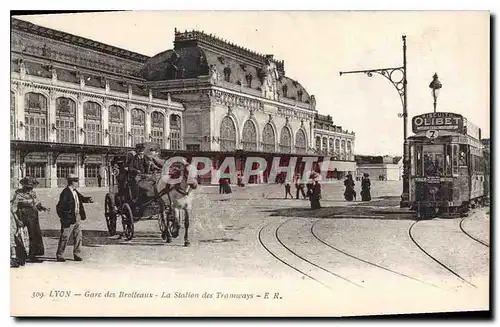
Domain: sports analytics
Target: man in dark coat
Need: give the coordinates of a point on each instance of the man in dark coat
(71, 211)
(137, 165)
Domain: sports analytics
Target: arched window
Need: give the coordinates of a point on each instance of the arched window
(299, 95)
(227, 135)
(349, 150)
(300, 142)
(285, 140)
(268, 139)
(249, 139)
(175, 132)
(12, 115)
(331, 146)
(157, 128)
(285, 90)
(92, 123)
(337, 147)
(65, 120)
(35, 119)
(342, 150)
(325, 145)
(318, 143)
(138, 126)
(116, 121)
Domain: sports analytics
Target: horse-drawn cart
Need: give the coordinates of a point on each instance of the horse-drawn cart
(121, 203)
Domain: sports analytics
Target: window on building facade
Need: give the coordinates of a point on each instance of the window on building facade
(116, 124)
(331, 146)
(285, 140)
(12, 115)
(324, 142)
(35, 119)
(249, 78)
(175, 132)
(285, 91)
(318, 143)
(65, 120)
(227, 74)
(92, 123)
(157, 128)
(268, 139)
(37, 170)
(249, 136)
(227, 135)
(349, 150)
(337, 148)
(300, 142)
(299, 95)
(342, 150)
(138, 126)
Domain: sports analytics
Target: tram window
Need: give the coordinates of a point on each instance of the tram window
(449, 153)
(434, 161)
(455, 159)
(417, 161)
(462, 155)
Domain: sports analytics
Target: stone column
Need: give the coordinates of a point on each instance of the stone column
(52, 116)
(128, 120)
(51, 171)
(105, 123)
(80, 169)
(147, 130)
(80, 121)
(20, 113)
(166, 129)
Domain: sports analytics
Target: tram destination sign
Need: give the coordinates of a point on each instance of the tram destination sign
(438, 121)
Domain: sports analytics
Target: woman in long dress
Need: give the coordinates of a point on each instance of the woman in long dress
(24, 207)
(349, 193)
(365, 188)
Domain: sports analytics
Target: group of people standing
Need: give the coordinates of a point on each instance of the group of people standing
(350, 193)
(313, 190)
(26, 241)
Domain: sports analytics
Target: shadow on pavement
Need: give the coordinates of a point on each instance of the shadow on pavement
(342, 212)
(96, 238)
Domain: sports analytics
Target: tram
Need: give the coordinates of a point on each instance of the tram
(447, 165)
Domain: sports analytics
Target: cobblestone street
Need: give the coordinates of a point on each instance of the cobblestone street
(254, 239)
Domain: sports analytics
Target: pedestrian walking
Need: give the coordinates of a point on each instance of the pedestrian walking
(288, 187)
(315, 195)
(25, 206)
(99, 179)
(71, 212)
(349, 193)
(299, 185)
(365, 188)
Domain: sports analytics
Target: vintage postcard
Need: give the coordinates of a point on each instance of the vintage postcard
(260, 163)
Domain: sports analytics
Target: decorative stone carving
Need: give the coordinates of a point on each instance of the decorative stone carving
(214, 75)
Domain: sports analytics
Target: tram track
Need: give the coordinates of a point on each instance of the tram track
(450, 270)
(470, 235)
(300, 257)
(363, 260)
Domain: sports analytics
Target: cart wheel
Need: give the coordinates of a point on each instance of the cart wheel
(162, 222)
(174, 226)
(127, 222)
(110, 214)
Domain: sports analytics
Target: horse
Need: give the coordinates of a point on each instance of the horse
(179, 198)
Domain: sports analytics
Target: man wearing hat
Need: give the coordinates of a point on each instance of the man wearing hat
(137, 165)
(71, 211)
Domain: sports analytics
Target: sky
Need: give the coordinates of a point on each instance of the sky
(317, 45)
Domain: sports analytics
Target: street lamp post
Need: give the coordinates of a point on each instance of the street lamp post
(400, 83)
(435, 87)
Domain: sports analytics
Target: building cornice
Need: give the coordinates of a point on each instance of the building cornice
(92, 92)
(68, 38)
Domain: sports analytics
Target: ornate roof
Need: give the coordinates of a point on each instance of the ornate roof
(197, 54)
(76, 40)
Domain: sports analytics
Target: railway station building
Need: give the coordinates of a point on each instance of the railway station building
(75, 103)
